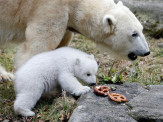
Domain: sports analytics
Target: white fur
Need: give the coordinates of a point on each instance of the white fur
(5, 76)
(121, 42)
(43, 25)
(45, 71)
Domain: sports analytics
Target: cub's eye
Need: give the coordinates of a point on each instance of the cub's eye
(135, 34)
(88, 74)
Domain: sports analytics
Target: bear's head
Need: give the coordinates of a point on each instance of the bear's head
(125, 37)
(113, 27)
(85, 69)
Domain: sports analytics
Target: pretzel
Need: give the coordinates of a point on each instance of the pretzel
(101, 90)
(117, 97)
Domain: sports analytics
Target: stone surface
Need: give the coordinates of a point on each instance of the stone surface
(152, 8)
(160, 45)
(148, 104)
(144, 104)
(150, 13)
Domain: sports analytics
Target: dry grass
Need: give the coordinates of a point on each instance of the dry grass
(147, 70)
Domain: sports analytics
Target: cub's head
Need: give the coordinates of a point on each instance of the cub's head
(86, 69)
(123, 34)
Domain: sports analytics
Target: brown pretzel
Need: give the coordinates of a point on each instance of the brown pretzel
(117, 97)
(101, 90)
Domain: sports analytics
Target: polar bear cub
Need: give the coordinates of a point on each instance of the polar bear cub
(45, 71)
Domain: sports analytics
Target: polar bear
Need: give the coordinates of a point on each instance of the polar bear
(45, 71)
(44, 25)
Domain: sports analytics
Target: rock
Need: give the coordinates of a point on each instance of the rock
(149, 7)
(6, 120)
(160, 45)
(148, 105)
(96, 108)
(150, 13)
(143, 104)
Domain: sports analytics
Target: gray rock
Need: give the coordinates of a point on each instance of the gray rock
(93, 108)
(152, 8)
(6, 120)
(148, 105)
(150, 13)
(145, 104)
(160, 45)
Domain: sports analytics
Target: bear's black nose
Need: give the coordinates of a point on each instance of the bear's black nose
(147, 53)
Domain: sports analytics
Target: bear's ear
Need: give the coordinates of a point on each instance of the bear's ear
(109, 20)
(120, 3)
(91, 56)
(77, 61)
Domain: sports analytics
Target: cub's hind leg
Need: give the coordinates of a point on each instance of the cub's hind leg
(25, 102)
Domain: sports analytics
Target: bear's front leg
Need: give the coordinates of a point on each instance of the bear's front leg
(70, 84)
(5, 76)
(41, 35)
(66, 39)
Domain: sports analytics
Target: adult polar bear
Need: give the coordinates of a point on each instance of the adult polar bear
(45, 25)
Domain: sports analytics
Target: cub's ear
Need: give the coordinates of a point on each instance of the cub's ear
(120, 3)
(77, 61)
(91, 56)
(109, 20)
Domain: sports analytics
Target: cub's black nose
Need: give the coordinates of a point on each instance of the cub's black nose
(147, 53)
(92, 84)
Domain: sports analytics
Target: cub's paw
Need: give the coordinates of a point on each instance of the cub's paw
(24, 112)
(82, 90)
(29, 113)
(6, 76)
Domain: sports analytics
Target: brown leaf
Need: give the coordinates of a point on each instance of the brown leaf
(38, 116)
(27, 119)
(126, 73)
(62, 117)
(48, 121)
(40, 120)
(68, 116)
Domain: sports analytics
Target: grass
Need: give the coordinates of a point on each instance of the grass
(147, 70)
(58, 108)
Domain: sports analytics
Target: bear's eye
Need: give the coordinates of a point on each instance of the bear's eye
(88, 74)
(135, 34)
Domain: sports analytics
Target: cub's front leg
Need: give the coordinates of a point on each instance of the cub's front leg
(70, 84)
